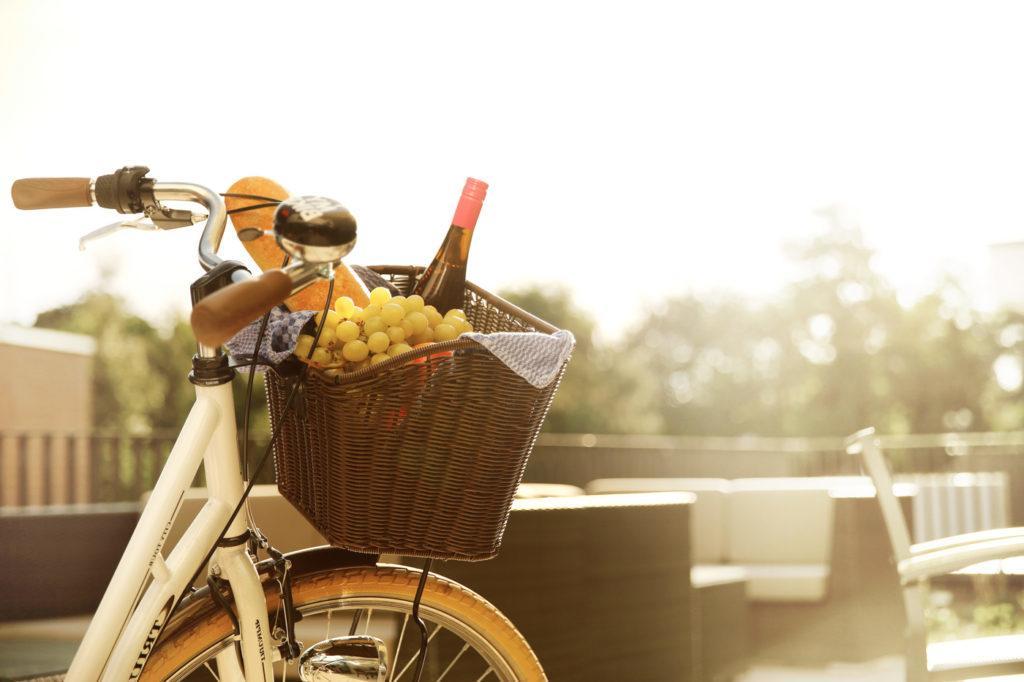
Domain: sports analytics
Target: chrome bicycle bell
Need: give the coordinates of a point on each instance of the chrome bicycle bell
(358, 658)
(314, 229)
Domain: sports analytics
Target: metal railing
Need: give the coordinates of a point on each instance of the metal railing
(40, 468)
(787, 456)
(52, 468)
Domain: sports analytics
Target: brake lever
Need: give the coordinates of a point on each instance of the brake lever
(138, 223)
(169, 218)
(159, 221)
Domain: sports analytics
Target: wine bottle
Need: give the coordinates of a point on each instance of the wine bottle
(444, 281)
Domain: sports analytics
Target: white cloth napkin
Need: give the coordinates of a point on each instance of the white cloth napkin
(534, 356)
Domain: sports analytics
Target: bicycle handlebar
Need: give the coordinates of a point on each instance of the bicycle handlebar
(127, 191)
(219, 316)
(215, 318)
(209, 242)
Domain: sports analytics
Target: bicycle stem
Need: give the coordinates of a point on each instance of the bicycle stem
(301, 274)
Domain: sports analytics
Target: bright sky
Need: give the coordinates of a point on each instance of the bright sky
(633, 149)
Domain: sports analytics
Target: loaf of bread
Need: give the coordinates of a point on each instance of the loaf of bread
(268, 255)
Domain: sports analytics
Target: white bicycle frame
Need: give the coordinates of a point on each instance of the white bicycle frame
(146, 586)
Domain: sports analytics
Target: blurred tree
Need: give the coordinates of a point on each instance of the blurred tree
(140, 376)
(834, 325)
(1002, 401)
(713, 366)
(940, 364)
(599, 390)
(833, 352)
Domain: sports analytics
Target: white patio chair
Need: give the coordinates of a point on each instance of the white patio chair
(953, 660)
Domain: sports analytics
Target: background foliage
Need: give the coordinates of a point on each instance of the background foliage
(833, 352)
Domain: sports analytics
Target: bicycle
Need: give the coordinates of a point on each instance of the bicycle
(152, 624)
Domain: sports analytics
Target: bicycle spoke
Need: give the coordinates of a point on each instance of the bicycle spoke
(369, 615)
(413, 659)
(355, 622)
(401, 634)
(448, 659)
(454, 661)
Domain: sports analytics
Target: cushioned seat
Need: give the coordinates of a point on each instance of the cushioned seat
(707, 518)
(595, 584)
(709, 575)
(947, 660)
(722, 618)
(529, 491)
(786, 582)
(768, 582)
(777, 530)
(780, 532)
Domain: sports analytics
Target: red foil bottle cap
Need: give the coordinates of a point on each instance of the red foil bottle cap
(475, 188)
(470, 203)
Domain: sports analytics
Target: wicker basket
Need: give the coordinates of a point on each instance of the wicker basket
(419, 456)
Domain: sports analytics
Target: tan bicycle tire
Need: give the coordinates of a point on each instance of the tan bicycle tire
(182, 647)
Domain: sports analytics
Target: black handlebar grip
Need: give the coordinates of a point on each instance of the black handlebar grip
(35, 193)
(124, 190)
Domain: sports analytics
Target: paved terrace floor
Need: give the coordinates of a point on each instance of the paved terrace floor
(35, 647)
(889, 669)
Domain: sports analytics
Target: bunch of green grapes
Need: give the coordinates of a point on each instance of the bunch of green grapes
(355, 337)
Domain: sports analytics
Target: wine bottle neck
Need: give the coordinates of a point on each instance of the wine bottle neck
(467, 212)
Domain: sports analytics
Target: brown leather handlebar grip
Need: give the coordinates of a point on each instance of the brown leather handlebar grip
(219, 316)
(32, 193)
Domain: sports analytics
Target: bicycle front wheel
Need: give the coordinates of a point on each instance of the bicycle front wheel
(469, 639)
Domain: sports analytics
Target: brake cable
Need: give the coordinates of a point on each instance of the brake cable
(260, 539)
(258, 197)
(281, 565)
(282, 575)
(268, 202)
(424, 638)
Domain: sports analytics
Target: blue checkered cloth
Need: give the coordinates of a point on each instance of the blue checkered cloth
(279, 340)
(534, 356)
(284, 327)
